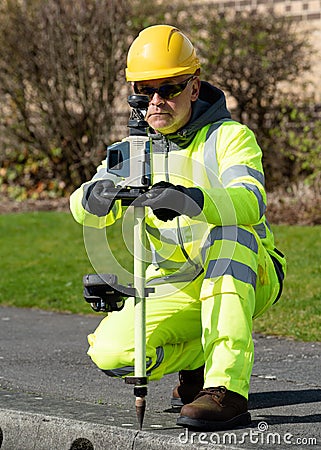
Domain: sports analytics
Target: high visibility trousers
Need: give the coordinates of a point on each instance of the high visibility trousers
(208, 320)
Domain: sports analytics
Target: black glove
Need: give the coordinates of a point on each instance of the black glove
(168, 201)
(94, 202)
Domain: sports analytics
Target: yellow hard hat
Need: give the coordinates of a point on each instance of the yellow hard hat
(160, 51)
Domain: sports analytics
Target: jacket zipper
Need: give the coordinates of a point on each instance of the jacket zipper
(179, 231)
(166, 159)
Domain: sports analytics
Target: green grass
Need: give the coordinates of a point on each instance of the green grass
(298, 312)
(43, 259)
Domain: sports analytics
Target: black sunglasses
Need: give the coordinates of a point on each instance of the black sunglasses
(166, 91)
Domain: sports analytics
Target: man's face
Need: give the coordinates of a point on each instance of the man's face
(167, 115)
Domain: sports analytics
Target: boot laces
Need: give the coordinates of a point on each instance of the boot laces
(217, 393)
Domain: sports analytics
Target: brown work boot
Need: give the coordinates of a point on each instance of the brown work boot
(190, 383)
(215, 409)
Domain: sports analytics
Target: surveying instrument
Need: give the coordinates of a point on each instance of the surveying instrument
(131, 161)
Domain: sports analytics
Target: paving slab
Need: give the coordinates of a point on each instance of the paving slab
(53, 397)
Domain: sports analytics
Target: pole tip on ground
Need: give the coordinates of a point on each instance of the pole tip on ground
(140, 404)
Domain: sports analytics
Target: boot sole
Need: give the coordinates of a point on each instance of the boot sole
(208, 425)
(176, 402)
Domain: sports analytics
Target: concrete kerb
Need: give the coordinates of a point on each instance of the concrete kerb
(26, 431)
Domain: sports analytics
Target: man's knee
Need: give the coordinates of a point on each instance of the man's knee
(109, 354)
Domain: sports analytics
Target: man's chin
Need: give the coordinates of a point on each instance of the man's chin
(163, 126)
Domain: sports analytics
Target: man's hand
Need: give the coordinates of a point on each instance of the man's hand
(169, 201)
(94, 202)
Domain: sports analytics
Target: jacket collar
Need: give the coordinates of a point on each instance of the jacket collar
(208, 108)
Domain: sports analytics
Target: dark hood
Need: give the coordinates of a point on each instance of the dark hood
(208, 108)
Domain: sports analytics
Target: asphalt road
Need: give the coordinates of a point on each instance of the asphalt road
(53, 397)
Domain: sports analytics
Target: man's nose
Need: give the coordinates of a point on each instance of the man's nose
(157, 99)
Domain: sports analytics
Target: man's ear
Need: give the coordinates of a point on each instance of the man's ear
(195, 89)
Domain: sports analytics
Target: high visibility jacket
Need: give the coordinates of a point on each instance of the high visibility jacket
(219, 156)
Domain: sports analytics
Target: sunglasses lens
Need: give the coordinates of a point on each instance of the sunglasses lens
(144, 90)
(169, 91)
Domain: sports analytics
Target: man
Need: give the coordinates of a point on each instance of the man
(215, 266)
